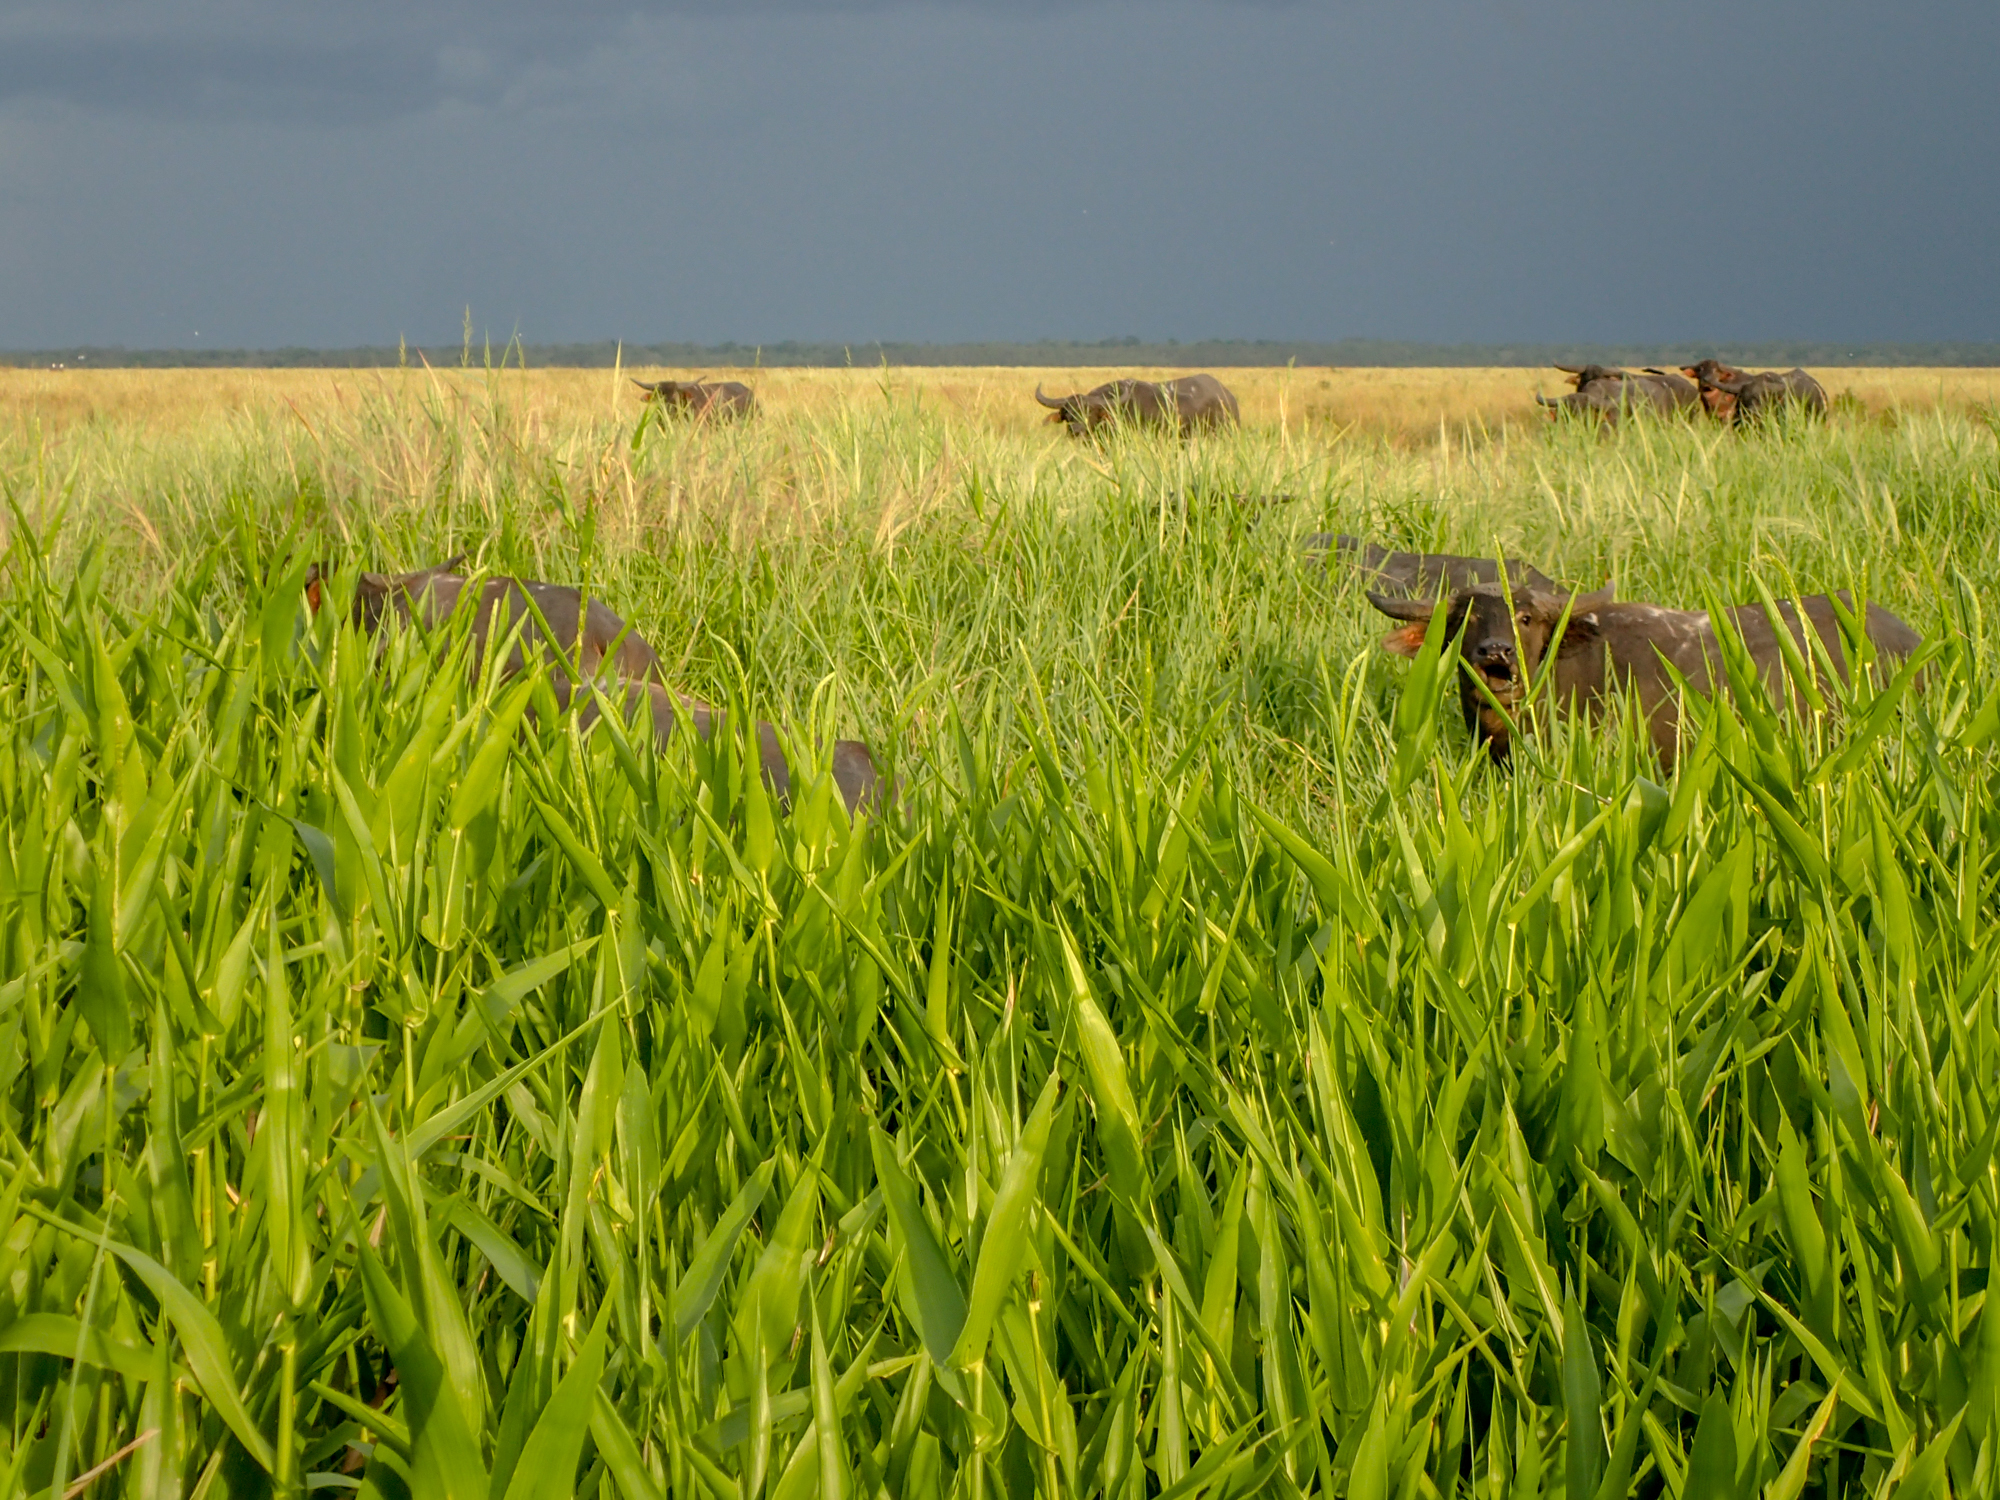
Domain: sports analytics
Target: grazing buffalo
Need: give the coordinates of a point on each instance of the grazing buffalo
(1426, 573)
(1185, 405)
(1770, 390)
(588, 639)
(1607, 393)
(1607, 644)
(717, 400)
(1717, 402)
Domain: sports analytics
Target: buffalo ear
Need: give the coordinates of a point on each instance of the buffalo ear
(1408, 641)
(1420, 610)
(315, 577)
(1582, 631)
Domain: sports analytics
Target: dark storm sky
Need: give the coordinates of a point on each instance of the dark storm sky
(179, 173)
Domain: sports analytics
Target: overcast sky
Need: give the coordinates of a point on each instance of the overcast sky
(180, 173)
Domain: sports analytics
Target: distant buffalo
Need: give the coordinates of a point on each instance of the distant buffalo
(1608, 393)
(1607, 645)
(1184, 405)
(588, 638)
(1707, 374)
(1752, 396)
(717, 400)
(1426, 573)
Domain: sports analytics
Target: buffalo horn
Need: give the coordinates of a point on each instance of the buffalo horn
(1044, 399)
(1403, 609)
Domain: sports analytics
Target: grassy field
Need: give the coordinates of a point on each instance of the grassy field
(1210, 1078)
(1403, 404)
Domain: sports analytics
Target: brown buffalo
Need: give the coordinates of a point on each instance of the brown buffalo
(717, 400)
(1426, 573)
(1607, 644)
(584, 638)
(1717, 402)
(1604, 392)
(1184, 405)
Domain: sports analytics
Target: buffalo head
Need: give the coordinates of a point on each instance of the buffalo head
(1078, 411)
(1583, 375)
(373, 590)
(1506, 636)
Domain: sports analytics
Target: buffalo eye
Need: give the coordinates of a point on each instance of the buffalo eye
(1525, 618)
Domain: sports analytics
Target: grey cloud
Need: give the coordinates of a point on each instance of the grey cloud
(1433, 170)
(228, 59)
(218, 62)
(220, 78)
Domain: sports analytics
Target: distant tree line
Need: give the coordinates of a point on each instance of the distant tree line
(1217, 353)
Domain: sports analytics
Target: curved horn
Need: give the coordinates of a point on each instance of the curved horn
(1403, 609)
(1541, 400)
(644, 385)
(1584, 604)
(1570, 369)
(1044, 399)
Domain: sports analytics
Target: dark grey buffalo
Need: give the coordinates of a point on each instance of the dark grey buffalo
(1425, 573)
(1607, 393)
(583, 637)
(1607, 644)
(717, 400)
(1185, 405)
(1770, 390)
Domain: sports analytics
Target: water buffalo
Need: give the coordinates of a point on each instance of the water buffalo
(1608, 644)
(1426, 573)
(1717, 402)
(717, 400)
(588, 638)
(1770, 390)
(1604, 392)
(1185, 405)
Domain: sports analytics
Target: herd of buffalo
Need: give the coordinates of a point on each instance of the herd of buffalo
(1729, 395)
(1506, 615)
(1195, 402)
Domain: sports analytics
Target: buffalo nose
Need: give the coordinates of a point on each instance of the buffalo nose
(1496, 654)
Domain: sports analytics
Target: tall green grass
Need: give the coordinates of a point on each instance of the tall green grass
(1210, 1078)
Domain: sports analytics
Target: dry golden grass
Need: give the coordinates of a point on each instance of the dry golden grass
(1400, 404)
